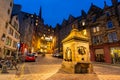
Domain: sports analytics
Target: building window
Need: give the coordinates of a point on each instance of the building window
(15, 44)
(97, 39)
(8, 11)
(73, 25)
(83, 23)
(11, 31)
(112, 37)
(6, 25)
(15, 25)
(8, 41)
(16, 36)
(11, 4)
(36, 24)
(3, 37)
(107, 14)
(109, 25)
(96, 29)
(94, 19)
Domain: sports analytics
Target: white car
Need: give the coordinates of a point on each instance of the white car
(35, 54)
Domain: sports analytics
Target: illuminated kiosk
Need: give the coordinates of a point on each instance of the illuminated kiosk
(76, 56)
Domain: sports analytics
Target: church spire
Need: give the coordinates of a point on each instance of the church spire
(40, 13)
(105, 4)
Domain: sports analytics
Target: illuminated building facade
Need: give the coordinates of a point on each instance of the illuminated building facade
(9, 26)
(103, 27)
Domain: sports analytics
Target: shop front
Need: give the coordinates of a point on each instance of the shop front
(115, 54)
(99, 55)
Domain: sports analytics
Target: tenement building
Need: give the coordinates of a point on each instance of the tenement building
(9, 35)
(103, 28)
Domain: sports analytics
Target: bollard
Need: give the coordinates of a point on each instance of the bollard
(4, 69)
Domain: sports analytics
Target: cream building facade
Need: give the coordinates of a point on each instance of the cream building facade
(5, 13)
(12, 37)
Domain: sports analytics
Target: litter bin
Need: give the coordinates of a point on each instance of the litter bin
(4, 69)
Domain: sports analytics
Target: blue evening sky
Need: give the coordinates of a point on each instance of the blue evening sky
(54, 11)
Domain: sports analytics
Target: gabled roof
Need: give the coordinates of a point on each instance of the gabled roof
(71, 18)
(64, 22)
(94, 8)
(83, 14)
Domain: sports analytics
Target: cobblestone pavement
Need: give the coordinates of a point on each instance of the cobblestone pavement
(47, 68)
(107, 72)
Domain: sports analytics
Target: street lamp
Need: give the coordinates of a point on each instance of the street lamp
(18, 46)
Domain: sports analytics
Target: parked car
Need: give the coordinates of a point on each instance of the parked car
(35, 54)
(58, 55)
(30, 57)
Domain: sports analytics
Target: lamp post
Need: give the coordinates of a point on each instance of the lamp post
(18, 46)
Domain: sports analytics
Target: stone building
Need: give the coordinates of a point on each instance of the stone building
(104, 31)
(44, 35)
(5, 15)
(103, 28)
(63, 30)
(12, 36)
(26, 24)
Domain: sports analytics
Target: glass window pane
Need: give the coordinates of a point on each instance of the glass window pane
(109, 24)
(110, 37)
(114, 36)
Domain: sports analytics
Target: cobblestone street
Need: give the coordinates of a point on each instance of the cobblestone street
(47, 68)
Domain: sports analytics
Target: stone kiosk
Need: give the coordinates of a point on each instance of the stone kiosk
(76, 56)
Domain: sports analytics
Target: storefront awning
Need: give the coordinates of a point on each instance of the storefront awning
(99, 51)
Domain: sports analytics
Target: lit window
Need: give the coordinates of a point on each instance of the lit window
(36, 20)
(73, 26)
(36, 24)
(83, 23)
(94, 29)
(8, 41)
(48, 29)
(97, 28)
(31, 15)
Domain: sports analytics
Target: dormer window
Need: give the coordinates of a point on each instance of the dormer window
(109, 25)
